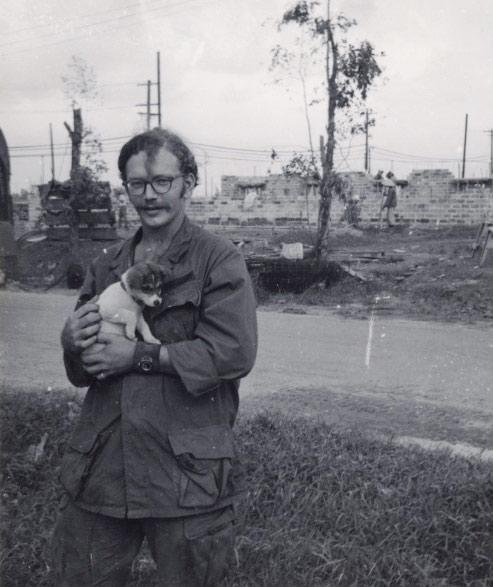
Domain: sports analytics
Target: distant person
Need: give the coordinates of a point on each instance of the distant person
(352, 210)
(152, 455)
(390, 194)
(122, 211)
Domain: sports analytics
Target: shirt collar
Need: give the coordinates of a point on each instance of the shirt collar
(179, 245)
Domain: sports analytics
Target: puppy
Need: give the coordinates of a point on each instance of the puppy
(121, 304)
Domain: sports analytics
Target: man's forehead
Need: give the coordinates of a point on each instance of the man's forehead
(160, 162)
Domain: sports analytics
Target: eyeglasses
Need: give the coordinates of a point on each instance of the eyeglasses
(161, 185)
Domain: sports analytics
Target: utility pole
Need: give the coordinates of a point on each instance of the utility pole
(159, 89)
(464, 151)
(367, 158)
(42, 169)
(52, 155)
(205, 172)
(490, 211)
(149, 105)
(491, 150)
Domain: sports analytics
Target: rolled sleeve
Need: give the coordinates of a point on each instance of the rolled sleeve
(73, 366)
(225, 340)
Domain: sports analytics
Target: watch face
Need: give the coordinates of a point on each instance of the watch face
(145, 364)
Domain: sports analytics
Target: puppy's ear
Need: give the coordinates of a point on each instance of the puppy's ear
(132, 277)
(158, 270)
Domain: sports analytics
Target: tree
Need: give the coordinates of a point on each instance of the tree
(349, 70)
(80, 88)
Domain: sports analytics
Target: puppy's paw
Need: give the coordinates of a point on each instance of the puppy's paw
(151, 339)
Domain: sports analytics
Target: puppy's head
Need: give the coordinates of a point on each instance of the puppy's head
(144, 282)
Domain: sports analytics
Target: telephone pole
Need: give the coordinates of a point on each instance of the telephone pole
(52, 155)
(464, 150)
(149, 104)
(367, 154)
(490, 132)
(490, 211)
(159, 89)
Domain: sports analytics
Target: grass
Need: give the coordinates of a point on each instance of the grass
(323, 508)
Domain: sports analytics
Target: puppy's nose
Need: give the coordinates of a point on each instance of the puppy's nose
(156, 302)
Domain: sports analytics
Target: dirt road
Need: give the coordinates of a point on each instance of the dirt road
(406, 378)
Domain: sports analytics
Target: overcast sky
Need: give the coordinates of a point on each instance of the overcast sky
(218, 91)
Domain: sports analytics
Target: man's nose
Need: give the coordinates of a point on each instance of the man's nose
(149, 192)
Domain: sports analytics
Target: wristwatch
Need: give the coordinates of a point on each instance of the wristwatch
(146, 357)
(146, 363)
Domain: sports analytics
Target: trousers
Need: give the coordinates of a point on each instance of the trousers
(391, 216)
(95, 550)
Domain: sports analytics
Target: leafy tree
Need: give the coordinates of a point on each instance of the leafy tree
(349, 70)
(301, 165)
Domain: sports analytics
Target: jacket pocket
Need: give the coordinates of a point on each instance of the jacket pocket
(77, 460)
(176, 319)
(204, 456)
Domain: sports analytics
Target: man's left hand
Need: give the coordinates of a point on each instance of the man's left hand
(110, 355)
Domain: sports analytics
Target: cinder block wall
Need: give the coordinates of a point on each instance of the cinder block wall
(426, 196)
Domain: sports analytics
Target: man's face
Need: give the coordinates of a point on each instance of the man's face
(155, 210)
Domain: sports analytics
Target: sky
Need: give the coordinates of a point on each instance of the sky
(219, 94)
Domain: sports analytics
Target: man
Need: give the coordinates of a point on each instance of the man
(122, 212)
(390, 192)
(152, 454)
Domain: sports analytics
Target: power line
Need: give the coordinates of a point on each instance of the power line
(82, 16)
(245, 153)
(90, 24)
(37, 88)
(72, 38)
(65, 110)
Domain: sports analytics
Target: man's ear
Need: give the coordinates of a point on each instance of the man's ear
(189, 182)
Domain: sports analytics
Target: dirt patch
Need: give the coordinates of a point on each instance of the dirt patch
(425, 273)
(419, 273)
(378, 416)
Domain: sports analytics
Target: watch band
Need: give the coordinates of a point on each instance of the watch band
(146, 357)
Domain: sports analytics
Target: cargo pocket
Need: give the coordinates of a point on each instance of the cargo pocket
(210, 538)
(204, 457)
(77, 460)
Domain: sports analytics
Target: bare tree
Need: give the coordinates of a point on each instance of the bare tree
(80, 88)
(348, 72)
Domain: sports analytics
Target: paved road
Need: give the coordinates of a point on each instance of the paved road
(447, 365)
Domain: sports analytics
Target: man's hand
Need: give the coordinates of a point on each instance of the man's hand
(110, 355)
(81, 329)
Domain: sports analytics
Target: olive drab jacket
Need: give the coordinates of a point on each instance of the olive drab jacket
(159, 445)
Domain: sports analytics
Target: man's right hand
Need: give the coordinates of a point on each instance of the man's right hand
(81, 329)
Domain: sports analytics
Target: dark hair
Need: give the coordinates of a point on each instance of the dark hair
(151, 142)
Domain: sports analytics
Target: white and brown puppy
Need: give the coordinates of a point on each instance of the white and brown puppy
(121, 303)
